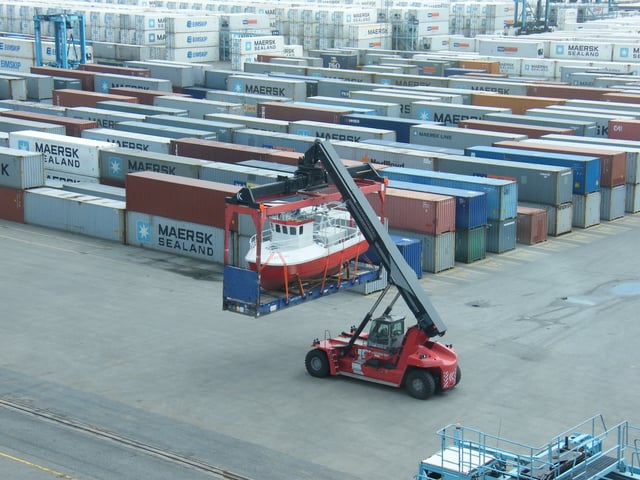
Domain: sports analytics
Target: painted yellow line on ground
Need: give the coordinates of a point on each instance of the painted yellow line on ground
(35, 465)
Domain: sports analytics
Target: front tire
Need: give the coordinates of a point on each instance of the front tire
(420, 384)
(317, 363)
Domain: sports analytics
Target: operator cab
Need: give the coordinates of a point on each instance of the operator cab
(386, 332)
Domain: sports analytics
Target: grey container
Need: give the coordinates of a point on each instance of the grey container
(261, 85)
(57, 178)
(580, 127)
(600, 119)
(373, 286)
(501, 235)
(444, 95)
(103, 82)
(387, 109)
(73, 212)
(168, 131)
(130, 140)
(116, 163)
(21, 169)
(586, 209)
(438, 251)
(536, 183)
(389, 155)
(39, 87)
(273, 67)
(458, 138)
(140, 109)
(612, 202)
(559, 217)
(96, 190)
(66, 83)
(8, 124)
(632, 198)
(268, 124)
(194, 240)
(104, 118)
(331, 131)
(36, 107)
(178, 75)
(402, 80)
(222, 130)
(13, 87)
(278, 141)
(196, 107)
(242, 175)
(249, 101)
(484, 85)
(450, 114)
(404, 99)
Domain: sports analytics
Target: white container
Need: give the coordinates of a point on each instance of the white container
(134, 141)
(542, 68)
(197, 107)
(580, 50)
(17, 47)
(372, 30)
(200, 54)
(15, 64)
(20, 169)
(65, 154)
(586, 209)
(191, 24)
(103, 82)
(238, 22)
(511, 48)
(626, 52)
(257, 45)
(189, 40)
(613, 202)
(511, 66)
(56, 178)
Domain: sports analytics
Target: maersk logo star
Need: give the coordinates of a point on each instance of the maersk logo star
(143, 231)
(115, 167)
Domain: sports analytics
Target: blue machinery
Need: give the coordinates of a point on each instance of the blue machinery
(65, 45)
(588, 451)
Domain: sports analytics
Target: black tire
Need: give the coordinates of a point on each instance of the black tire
(458, 374)
(420, 384)
(317, 363)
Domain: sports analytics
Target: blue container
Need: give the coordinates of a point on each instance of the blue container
(196, 92)
(410, 248)
(402, 126)
(501, 235)
(471, 206)
(502, 195)
(586, 170)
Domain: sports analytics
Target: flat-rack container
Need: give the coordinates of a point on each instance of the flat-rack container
(76, 213)
(502, 195)
(21, 169)
(458, 138)
(586, 170)
(133, 141)
(72, 155)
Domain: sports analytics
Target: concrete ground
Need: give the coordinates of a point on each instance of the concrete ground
(136, 342)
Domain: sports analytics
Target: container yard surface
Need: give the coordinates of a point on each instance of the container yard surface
(135, 342)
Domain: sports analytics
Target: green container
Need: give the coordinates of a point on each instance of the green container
(471, 244)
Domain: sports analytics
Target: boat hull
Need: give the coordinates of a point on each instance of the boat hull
(276, 275)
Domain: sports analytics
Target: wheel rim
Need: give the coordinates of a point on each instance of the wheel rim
(316, 364)
(417, 385)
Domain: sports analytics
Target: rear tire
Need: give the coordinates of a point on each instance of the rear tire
(317, 363)
(458, 374)
(420, 384)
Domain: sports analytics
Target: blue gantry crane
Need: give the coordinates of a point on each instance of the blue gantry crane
(69, 51)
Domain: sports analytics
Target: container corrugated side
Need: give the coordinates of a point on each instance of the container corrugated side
(12, 204)
(167, 131)
(76, 213)
(198, 108)
(612, 202)
(559, 217)
(632, 198)
(17, 124)
(586, 209)
(131, 140)
(240, 175)
(180, 237)
(21, 169)
(501, 235)
(438, 251)
(532, 226)
(502, 195)
(61, 153)
(471, 244)
(214, 150)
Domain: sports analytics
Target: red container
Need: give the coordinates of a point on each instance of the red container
(290, 112)
(73, 126)
(624, 129)
(79, 98)
(532, 226)
(613, 164)
(11, 204)
(179, 198)
(418, 212)
(531, 131)
(130, 71)
(568, 91)
(144, 97)
(624, 97)
(491, 67)
(518, 104)
(86, 78)
(217, 151)
(284, 157)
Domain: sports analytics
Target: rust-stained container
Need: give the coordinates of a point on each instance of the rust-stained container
(624, 97)
(532, 225)
(11, 204)
(101, 68)
(179, 198)
(491, 67)
(518, 104)
(568, 91)
(613, 164)
(145, 97)
(73, 126)
(291, 113)
(531, 131)
(283, 157)
(625, 129)
(86, 78)
(217, 151)
(419, 212)
(79, 98)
